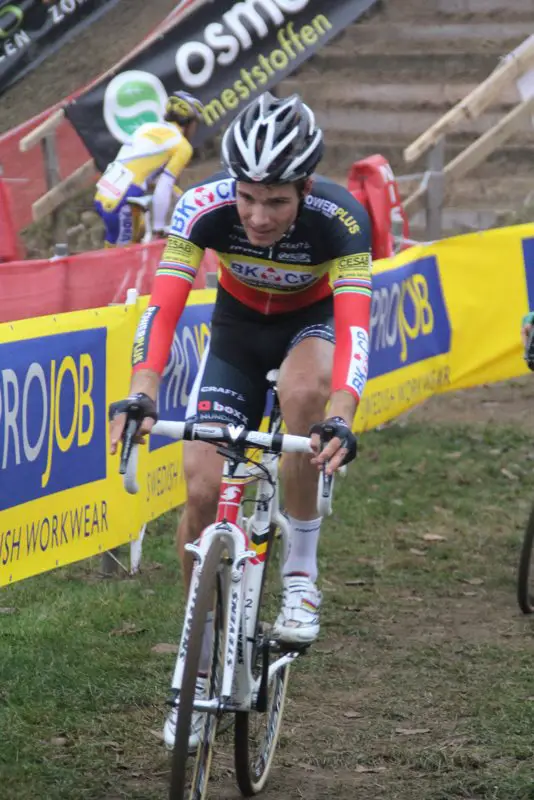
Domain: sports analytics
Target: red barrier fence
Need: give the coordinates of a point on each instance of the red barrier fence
(87, 280)
(9, 248)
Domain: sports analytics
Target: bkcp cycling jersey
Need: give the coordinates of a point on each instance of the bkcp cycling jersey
(326, 251)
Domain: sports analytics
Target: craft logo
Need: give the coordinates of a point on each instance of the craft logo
(131, 99)
(409, 320)
(52, 415)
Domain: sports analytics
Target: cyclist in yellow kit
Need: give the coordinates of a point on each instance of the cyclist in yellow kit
(155, 157)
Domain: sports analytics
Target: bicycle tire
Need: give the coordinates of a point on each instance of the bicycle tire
(252, 770)
(209, 583)
(524, 598)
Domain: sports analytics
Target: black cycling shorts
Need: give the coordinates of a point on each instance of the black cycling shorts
(245, 345)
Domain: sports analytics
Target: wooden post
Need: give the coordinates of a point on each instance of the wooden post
(469, 158)
(472, 106)
(435, 191)
(64, 191)
(53, 178)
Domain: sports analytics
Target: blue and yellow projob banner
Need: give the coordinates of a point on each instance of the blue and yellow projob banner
(61, 497)
(447, 316)
(161, 479)
(444, 316)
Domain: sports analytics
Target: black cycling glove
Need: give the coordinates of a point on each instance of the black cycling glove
(336, 426)
(137, 406)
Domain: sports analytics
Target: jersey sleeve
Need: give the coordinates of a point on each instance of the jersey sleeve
(350, 273)
(180, 158)
(172, 284)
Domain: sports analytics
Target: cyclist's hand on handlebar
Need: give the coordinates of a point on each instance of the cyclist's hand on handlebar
(334, 444)
(139, 407)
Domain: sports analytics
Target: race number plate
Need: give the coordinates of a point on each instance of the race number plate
(115, 181)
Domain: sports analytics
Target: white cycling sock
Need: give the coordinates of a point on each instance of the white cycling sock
(207, 646)
(303, 541)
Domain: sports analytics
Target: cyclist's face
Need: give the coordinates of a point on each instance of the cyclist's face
(266, 212)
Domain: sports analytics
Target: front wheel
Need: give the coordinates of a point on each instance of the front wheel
(207, 616)
(524, 597)
(256, 733)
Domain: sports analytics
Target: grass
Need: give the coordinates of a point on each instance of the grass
(419, 687)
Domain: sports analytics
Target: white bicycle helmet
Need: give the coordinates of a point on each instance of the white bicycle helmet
(273, 141)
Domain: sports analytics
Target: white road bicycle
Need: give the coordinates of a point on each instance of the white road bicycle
(248, 670)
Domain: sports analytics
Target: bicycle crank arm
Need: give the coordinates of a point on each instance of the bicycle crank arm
(275, 667)
(263, 691)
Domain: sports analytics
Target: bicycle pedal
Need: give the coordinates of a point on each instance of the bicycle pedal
(289, 647)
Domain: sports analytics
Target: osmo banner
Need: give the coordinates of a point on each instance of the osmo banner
(61, 498)
(226, 53)
(31, 30)
(447, 316)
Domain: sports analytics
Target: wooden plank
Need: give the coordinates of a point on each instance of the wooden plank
(65, 190)
(34, 137)
(469, 158)
(518, 62)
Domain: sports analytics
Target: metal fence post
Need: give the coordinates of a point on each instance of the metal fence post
(435, 191)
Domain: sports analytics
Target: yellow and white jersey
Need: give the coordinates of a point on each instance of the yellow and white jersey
(153, 149)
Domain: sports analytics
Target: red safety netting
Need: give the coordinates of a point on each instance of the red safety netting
(9, 248)
(87, 280)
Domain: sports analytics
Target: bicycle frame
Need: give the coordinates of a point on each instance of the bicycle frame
(247, 550)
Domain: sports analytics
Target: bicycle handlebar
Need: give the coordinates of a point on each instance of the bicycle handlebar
(233, 434)
(225, 434)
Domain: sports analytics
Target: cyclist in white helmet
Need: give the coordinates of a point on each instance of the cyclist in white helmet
(152, 160)
(294, 292)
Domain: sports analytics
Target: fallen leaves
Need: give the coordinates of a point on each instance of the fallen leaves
(165, 647)
(433, 537)
(415, 552)
(509, 475)
(412, 731)
(361, 769)
(127, 629)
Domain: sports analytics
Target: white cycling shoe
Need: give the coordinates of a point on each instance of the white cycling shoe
(298, 621)
(197, 720)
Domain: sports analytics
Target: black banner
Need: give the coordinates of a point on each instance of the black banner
(226, 53)
(30, 30)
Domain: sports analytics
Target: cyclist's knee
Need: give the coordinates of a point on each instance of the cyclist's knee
(303, 403)
(202, 470)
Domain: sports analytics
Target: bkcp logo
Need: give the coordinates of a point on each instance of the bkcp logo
(203, 196)
(133, 98)
(52, 415)
(409, 320)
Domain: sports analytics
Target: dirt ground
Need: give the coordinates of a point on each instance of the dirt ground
(506, 403)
